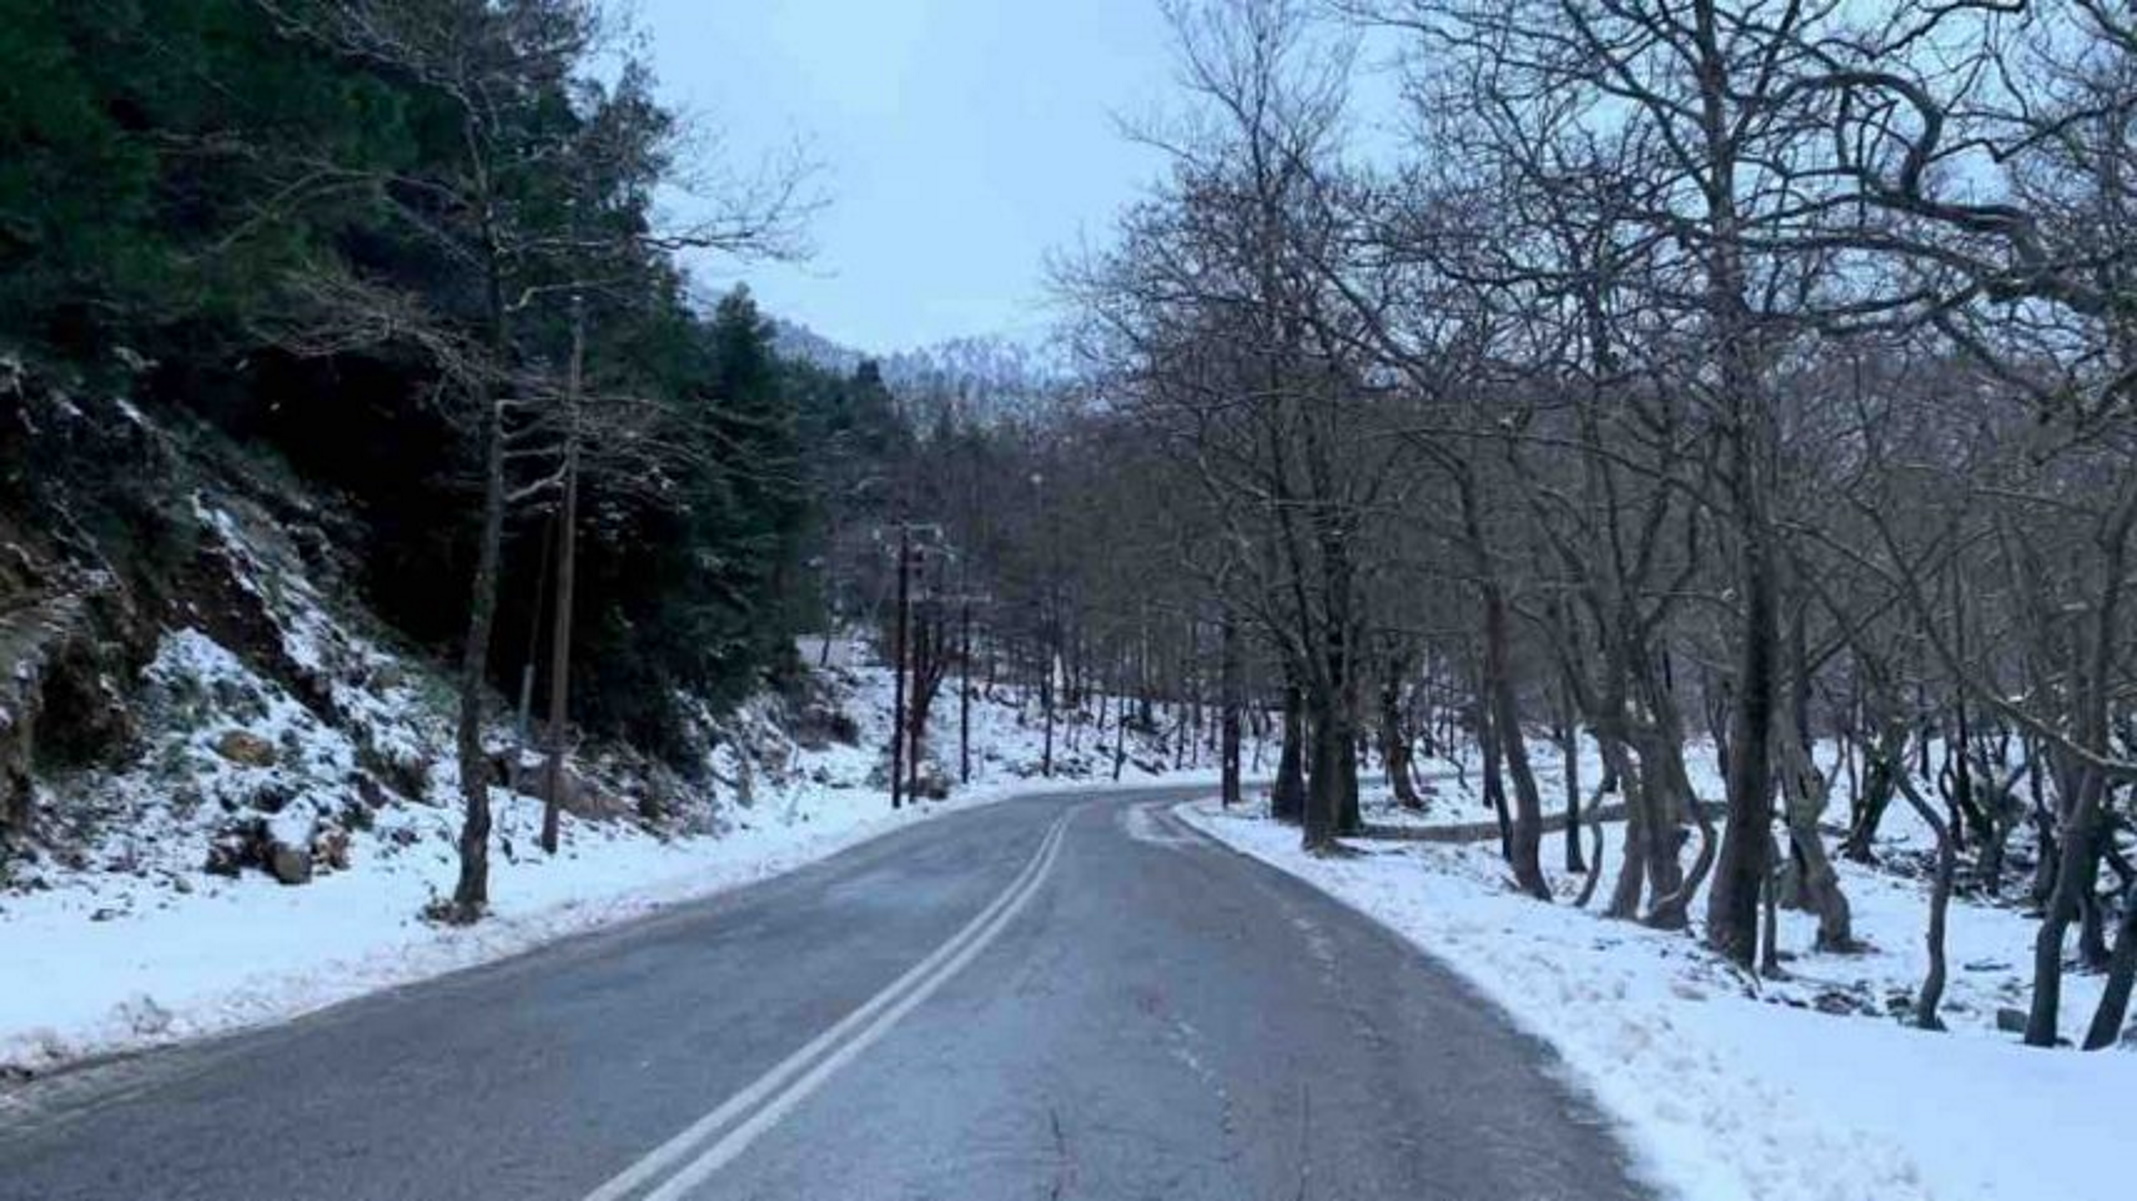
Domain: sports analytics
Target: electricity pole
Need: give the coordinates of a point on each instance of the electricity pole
(965, 603)
(567, 554)
(964, 691)
(897, 704)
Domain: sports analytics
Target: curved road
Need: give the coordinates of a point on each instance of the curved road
(1054, 997)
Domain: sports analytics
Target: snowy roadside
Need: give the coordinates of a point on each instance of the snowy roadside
(138, 944)
(284, 807)
(255, 952)
(1725, 1095)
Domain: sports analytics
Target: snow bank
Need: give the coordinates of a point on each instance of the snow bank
(134, 943)
(1729, 1088)
(308, 746)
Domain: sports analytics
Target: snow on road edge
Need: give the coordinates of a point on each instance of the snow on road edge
(258, 953)
(1721, 1096)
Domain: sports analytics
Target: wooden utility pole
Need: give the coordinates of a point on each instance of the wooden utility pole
(965, 601)
(964, 692)
(931, 640)
(523, 721)
(897, 704)
(1046, 703)
(923, 644)
(567, 553)
(1228, 717)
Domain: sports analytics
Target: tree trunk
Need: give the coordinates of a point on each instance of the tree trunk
(1931, 997)
(1669, 798)
(1526, 837)
(1228, 720)
(1805, 790)
(1626, 894)
(1395, 739)
(1494, 773)
(2106, 1027)
(2046, 853)
(1886, 760)
(1569, 766)
(2074, 878)
(1325, 785)
(1287, 800)
(471, 892)
(1769, 888)
(1350, 820)
(1732, 906)
(2083, 828)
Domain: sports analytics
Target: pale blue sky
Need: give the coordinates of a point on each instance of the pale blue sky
(962, 140)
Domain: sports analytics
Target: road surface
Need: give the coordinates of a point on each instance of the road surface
(1054, 997)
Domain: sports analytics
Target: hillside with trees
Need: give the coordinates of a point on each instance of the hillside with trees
(1540, 425)
(397, 270)
(1638, 497)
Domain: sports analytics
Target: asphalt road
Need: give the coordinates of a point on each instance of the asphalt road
(1047, 998)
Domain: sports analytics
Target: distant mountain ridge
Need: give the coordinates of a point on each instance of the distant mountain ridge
(795, 341)
(988, 375)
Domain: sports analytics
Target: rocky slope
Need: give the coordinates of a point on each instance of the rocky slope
(189, 681)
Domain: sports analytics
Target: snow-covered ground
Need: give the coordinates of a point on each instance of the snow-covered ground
(1452, 785)
(119, 936)
(1729, 1087)
(283, 735)
(115, 960)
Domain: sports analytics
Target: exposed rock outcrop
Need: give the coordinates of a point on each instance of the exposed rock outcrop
(63, 696)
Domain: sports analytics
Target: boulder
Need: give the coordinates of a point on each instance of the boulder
(287, 839)
(585, 796)
(330, 848)
(228, 854)
(934, 784)
(65, 659)
(369, 792)
(245, 748)
(290, 865)
(286, 846)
